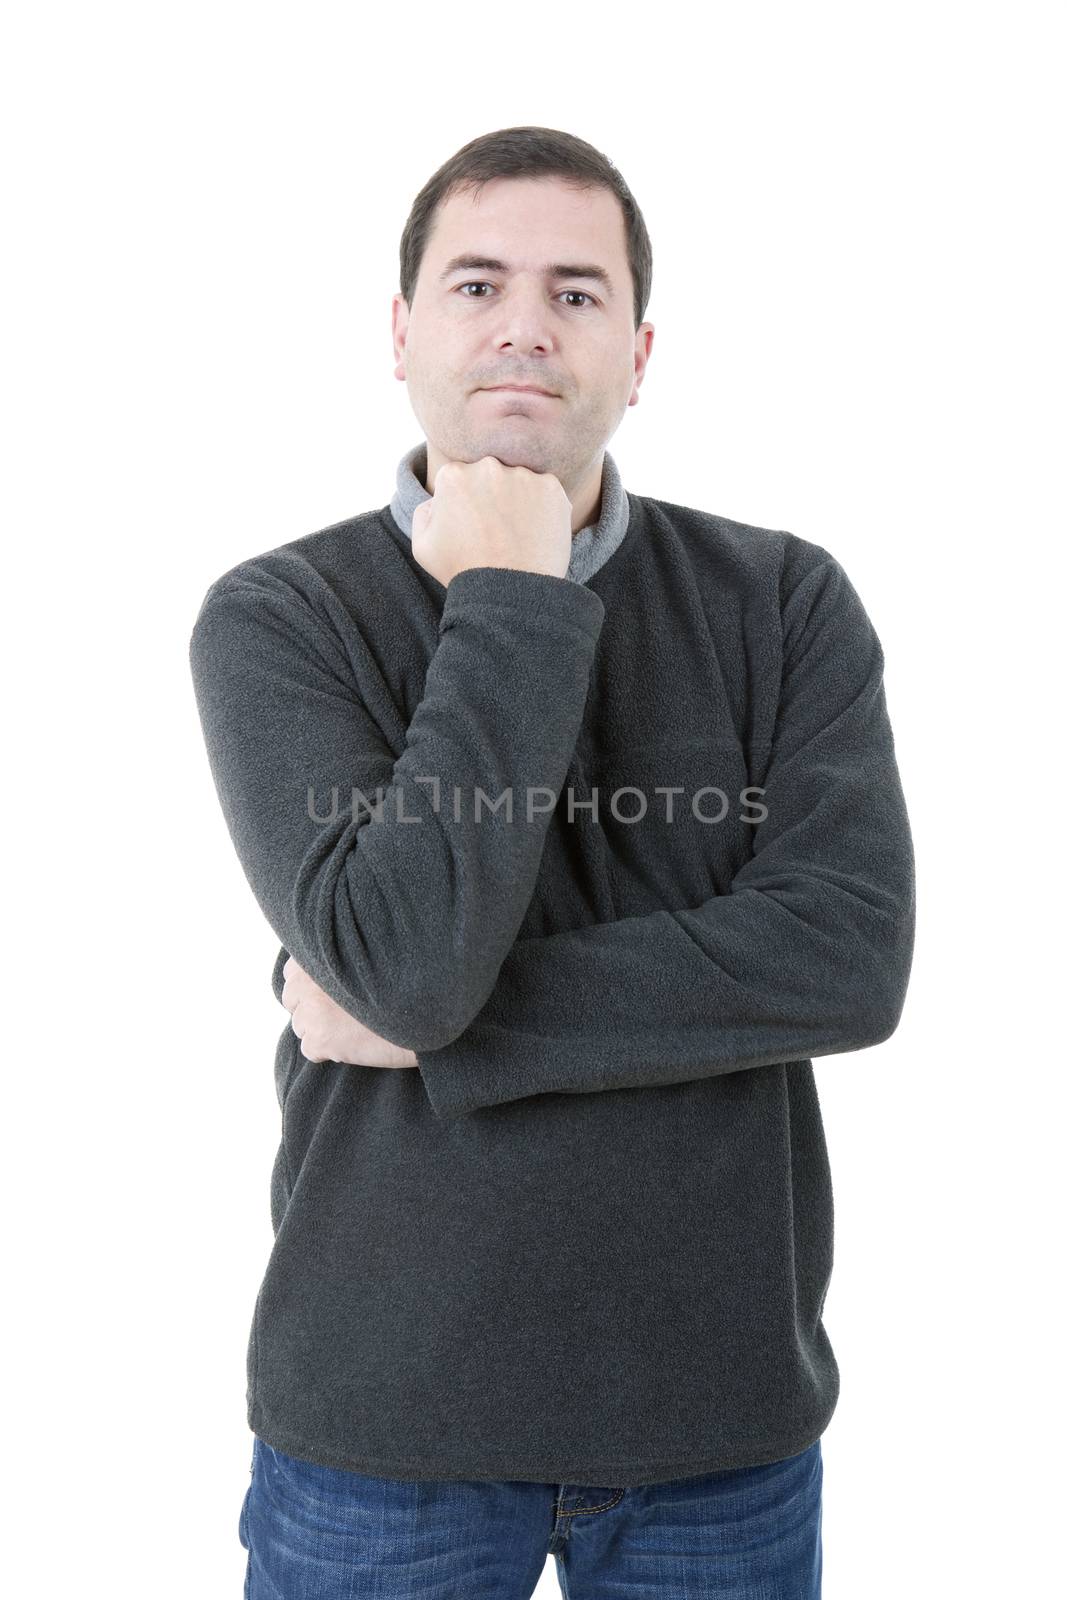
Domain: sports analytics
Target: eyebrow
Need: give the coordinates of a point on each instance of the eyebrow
(557, 269)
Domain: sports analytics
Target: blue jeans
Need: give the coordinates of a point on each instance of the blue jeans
(324, 1533)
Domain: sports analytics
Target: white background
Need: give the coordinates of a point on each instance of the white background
(857, 298)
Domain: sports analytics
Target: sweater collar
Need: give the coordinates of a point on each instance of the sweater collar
(590, 547)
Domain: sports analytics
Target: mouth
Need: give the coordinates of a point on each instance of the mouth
(520, 388)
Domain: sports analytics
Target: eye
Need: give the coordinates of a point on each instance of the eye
(482, 285)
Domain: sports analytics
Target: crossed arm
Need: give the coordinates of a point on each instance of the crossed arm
(808, 954)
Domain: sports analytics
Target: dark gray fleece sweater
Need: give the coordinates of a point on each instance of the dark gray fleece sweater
(616, 855)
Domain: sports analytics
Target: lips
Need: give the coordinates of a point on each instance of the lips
(519, 388)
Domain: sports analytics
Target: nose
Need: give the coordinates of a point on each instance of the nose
(524, 321)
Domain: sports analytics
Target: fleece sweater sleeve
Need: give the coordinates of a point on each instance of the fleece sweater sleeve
(403, 908)
(807, 954)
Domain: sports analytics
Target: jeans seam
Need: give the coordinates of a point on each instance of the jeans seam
(586, 1511)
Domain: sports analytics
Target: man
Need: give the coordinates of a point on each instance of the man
(577, 815)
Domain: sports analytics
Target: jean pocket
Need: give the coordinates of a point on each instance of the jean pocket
(242, 1524)
(242, 1521)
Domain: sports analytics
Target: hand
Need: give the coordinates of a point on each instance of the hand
(485, 514)
(329, 1033)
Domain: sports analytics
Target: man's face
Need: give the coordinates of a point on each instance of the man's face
(472, 327)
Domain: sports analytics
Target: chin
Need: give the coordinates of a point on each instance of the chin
(511, 447)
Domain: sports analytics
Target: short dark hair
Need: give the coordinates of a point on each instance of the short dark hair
(526, 153)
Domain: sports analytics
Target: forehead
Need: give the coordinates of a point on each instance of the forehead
(528, 221)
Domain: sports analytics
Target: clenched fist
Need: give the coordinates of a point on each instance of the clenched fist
(328, 1033)
(484, 514)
